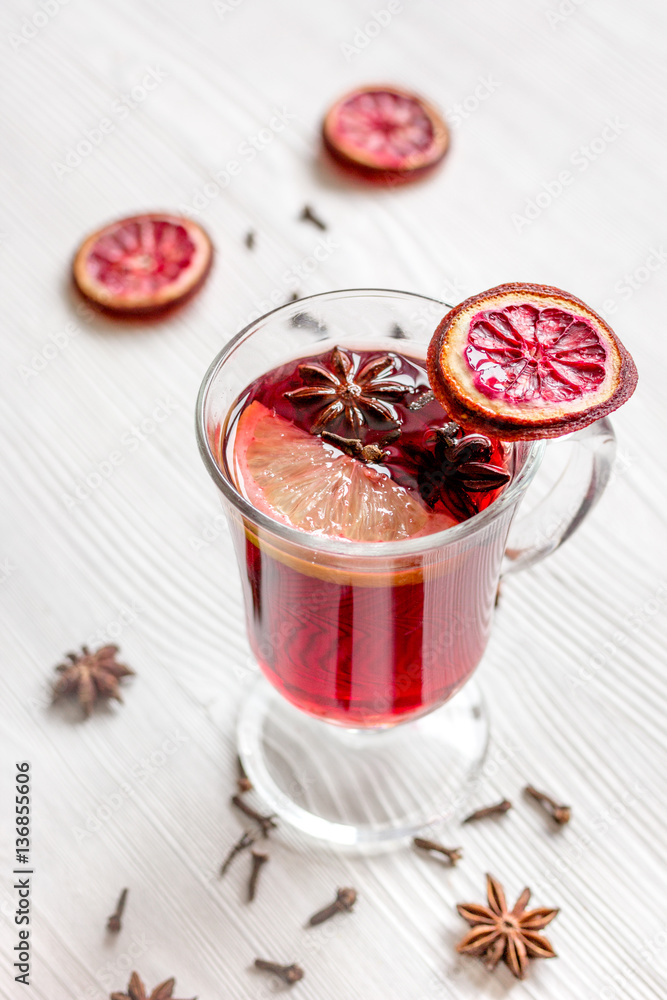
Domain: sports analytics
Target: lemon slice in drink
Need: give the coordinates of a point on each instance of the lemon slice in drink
(302, 481)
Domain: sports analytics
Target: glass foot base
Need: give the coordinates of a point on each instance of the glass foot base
(361, 787)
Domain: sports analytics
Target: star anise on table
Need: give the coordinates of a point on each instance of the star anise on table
(457, 466)
(350, 393)
(137, 991)
(499, 933)
(91, 676)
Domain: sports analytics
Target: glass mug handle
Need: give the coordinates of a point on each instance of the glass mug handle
(556, 516)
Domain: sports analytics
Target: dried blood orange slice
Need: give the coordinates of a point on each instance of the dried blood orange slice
(143, 264)
(528, 361)
(385, 135)
(302, 481)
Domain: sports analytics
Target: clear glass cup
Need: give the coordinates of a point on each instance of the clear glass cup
(368, 736)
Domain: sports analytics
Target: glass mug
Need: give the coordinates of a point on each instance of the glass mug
(369, 730)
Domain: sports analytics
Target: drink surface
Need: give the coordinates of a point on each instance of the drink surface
(366, 425)
(351, 445)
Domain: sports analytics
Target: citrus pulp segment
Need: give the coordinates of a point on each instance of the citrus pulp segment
(300, 480)
(385, 134)
(143, 264)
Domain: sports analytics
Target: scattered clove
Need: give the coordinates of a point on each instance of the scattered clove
(288, 973)
(294, 297)
(398, 333)
(113, 923)
(243, 781)
(250, 239)
(496, 810)
(453, 853)
(345, 900)
(257, 861)
(247, 840)
(561, 814)
(265, 823)
(307, 215)
(304, 321)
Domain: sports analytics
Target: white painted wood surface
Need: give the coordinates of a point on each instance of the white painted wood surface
(137, 795)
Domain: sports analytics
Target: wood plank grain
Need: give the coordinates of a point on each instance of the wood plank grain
(574, 674)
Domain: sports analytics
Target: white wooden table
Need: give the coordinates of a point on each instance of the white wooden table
(109, 108)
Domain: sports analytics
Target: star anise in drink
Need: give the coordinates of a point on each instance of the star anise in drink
(500, 933)
(455, 469)
(91, 676)
(348, 393)
(137, 991)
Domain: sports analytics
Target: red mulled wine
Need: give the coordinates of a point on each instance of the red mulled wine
(350, 445)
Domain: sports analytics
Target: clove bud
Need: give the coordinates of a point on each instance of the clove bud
(308, 215)
(265, 823)
(495, 810)
(243, 782)
(345, 900)
(454, 854)
(560, 813)
(288, 973)
(257, 861)
(246, 840)
(113, 923)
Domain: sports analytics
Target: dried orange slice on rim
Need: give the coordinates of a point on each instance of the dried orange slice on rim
(143, 265)
(384, 134)
(525, 361)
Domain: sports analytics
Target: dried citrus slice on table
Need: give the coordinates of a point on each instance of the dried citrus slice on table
(385, 135)
(300, 480)
(525, 361)
(144, 264)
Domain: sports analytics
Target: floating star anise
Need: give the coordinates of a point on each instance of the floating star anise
(91, 676)
(350, 393)
(456, 467)
(498, 933)
(137, 991)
